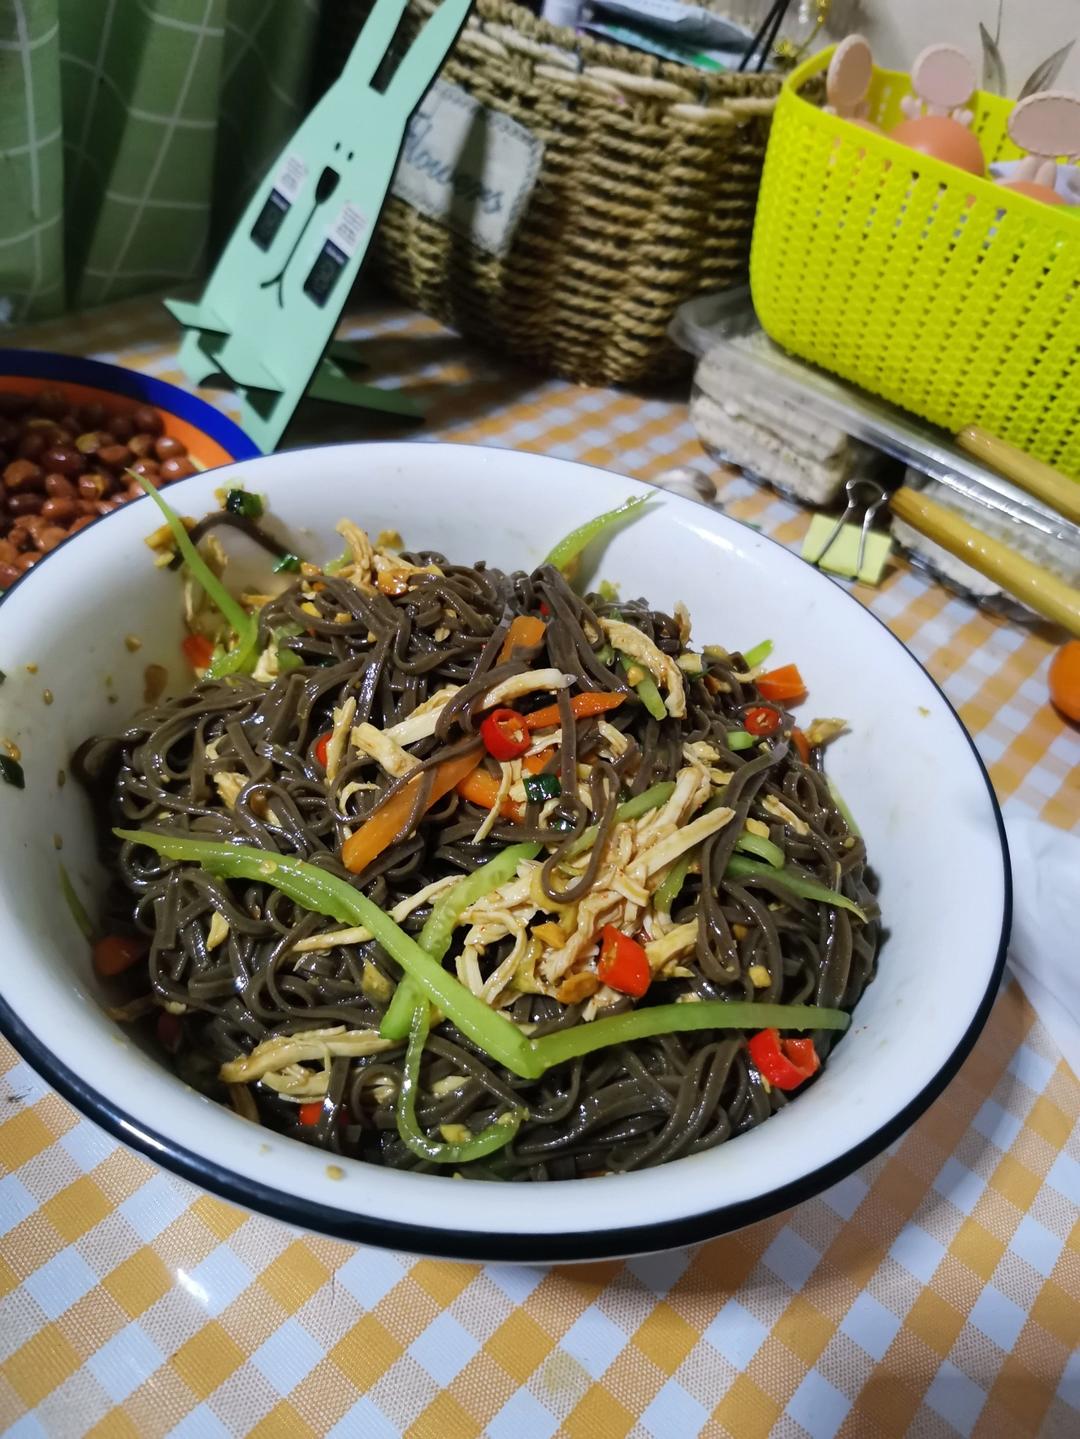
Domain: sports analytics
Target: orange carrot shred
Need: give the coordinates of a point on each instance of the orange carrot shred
(383, 827)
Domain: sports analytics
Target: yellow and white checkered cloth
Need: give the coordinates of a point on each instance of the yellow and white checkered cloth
(935, 1292)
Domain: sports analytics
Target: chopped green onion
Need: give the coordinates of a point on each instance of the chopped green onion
(288, 563)
(239, 502)
(845, 813)
(645, 689)
(629, 809)
(740, 868)
(568, 551)
(771, 853)
(539, 787)
(245, 625)
(737, 739)
(495, 1136)
(566, 1044)
(345, 558)
(288, 660)
(75, 905)
(758, 655)
(316, 889)
(606, 655)
(11, 771)
(607, 591)
(669, 888)
(438, 928)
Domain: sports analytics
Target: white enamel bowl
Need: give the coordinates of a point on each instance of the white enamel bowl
(907, 768)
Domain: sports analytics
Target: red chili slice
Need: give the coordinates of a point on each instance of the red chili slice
(786, 1063)
(623, 964)
(762, 720)
(505, 734)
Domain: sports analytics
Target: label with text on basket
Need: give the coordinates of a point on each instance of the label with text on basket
(467, 166)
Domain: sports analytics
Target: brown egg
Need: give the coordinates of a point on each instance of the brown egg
(942, 139)
(1033, 191)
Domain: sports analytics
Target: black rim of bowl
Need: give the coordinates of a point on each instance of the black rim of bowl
(512, 1247)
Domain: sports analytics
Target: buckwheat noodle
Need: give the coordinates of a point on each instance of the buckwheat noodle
(617, 1109)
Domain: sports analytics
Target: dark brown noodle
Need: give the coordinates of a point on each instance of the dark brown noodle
(618, 1109)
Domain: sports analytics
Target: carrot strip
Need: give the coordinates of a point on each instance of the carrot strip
(117, 952)
(384, 826)
(786, 683)
(802, 744)
(198, 651)
(525, 632)
(594, 702)
(482, 789)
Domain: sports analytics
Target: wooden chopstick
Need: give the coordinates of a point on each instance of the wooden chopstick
(1034, 476)
(1038, 588)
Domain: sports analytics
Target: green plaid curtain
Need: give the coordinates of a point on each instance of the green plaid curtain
(130, 134)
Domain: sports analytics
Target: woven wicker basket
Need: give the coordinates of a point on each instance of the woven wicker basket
(645, 198)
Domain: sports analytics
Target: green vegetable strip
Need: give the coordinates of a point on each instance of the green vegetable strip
(669, 888)
(740, 868)
(75, 905)
(568, 549)
(758, 655)
(737, 739)
(845, 813)
(237, 616)
(629, 809)
(646, 690)
(240, 659)
(764, 849)
(325, 893)
(567, 1044)
(494, 1137)
(438, 928)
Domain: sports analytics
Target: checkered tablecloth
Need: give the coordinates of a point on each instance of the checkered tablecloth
(935, 1292)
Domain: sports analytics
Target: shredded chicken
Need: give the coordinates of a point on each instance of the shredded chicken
(339, 737)
(821, 731)
(379, 745)
(525, 684)
(507, 774)
(663, 669)
(659, 855)
(361, 553)
(282, 1051)
(615, 740)
(228, 784)
(422, 723)
(679, 940)
(268, 668)
(682, 619)
(777, 807)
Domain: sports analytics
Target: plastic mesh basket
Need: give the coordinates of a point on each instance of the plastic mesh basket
(941, 292)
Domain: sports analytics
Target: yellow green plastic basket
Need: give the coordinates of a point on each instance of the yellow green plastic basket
(939, 291)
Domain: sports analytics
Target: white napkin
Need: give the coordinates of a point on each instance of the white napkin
(1044, 952)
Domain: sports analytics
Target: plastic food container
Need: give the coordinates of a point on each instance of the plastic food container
(926, 285)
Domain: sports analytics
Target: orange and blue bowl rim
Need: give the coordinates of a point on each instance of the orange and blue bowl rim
(210, 436)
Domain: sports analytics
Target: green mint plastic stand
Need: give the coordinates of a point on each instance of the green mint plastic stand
(265, 321)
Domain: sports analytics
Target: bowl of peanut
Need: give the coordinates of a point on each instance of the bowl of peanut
(76, 436)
